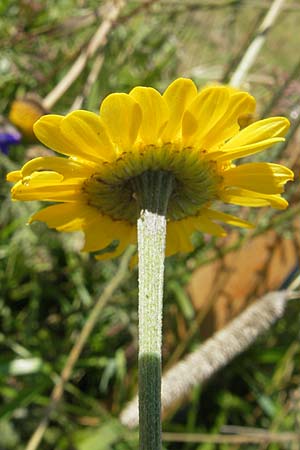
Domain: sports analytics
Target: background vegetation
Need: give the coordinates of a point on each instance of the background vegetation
(48, 287)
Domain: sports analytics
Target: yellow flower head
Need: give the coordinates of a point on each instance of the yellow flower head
(24, 113)
(194, 135)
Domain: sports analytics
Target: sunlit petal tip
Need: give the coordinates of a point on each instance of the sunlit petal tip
(42, 125)
(280, 204)
(14, 176)
(285, 122)
(181, 84)
(278, 125)
(267, 178)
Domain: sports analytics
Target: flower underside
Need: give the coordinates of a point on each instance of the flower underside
(116, 190)
(190, 137)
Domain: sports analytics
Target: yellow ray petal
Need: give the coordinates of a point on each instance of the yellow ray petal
(178, 238)
(254, 138)
(203, 113)
(47, 186)
(100, 232)
(267, 178)
(133, 261)
(48, 195)
(180, 231)
(178, 97)
(67, 167)
(240, 104)
(47, 130)
(204, 224)
(244, 197)
(122, 117)
(41, 179)
(16, 175)
(65, 216)
(227, 218)
(123, 244)
(90, 134)
(155, 113)
(96, 233)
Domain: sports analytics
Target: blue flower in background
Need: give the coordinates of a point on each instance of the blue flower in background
(8, 136)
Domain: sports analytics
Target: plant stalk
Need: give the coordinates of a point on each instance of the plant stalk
(153, 190)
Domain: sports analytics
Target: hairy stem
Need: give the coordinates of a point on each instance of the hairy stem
(153, 190)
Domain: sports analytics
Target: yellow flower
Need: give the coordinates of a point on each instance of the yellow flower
(24, 113)
(194, 135)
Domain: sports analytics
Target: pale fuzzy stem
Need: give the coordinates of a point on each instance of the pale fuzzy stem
(215, 353)
(151, 245)
(256, 45)
(153, 190)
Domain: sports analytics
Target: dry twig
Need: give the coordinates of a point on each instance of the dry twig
(257, 43)
(262, 437)
(98, 40)
(215, 353)
(91, 79)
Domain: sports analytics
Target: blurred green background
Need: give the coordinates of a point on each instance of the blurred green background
(48, 287)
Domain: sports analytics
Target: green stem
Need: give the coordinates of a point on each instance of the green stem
(153, 190)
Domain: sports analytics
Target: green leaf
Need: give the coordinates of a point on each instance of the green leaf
(100, 438)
